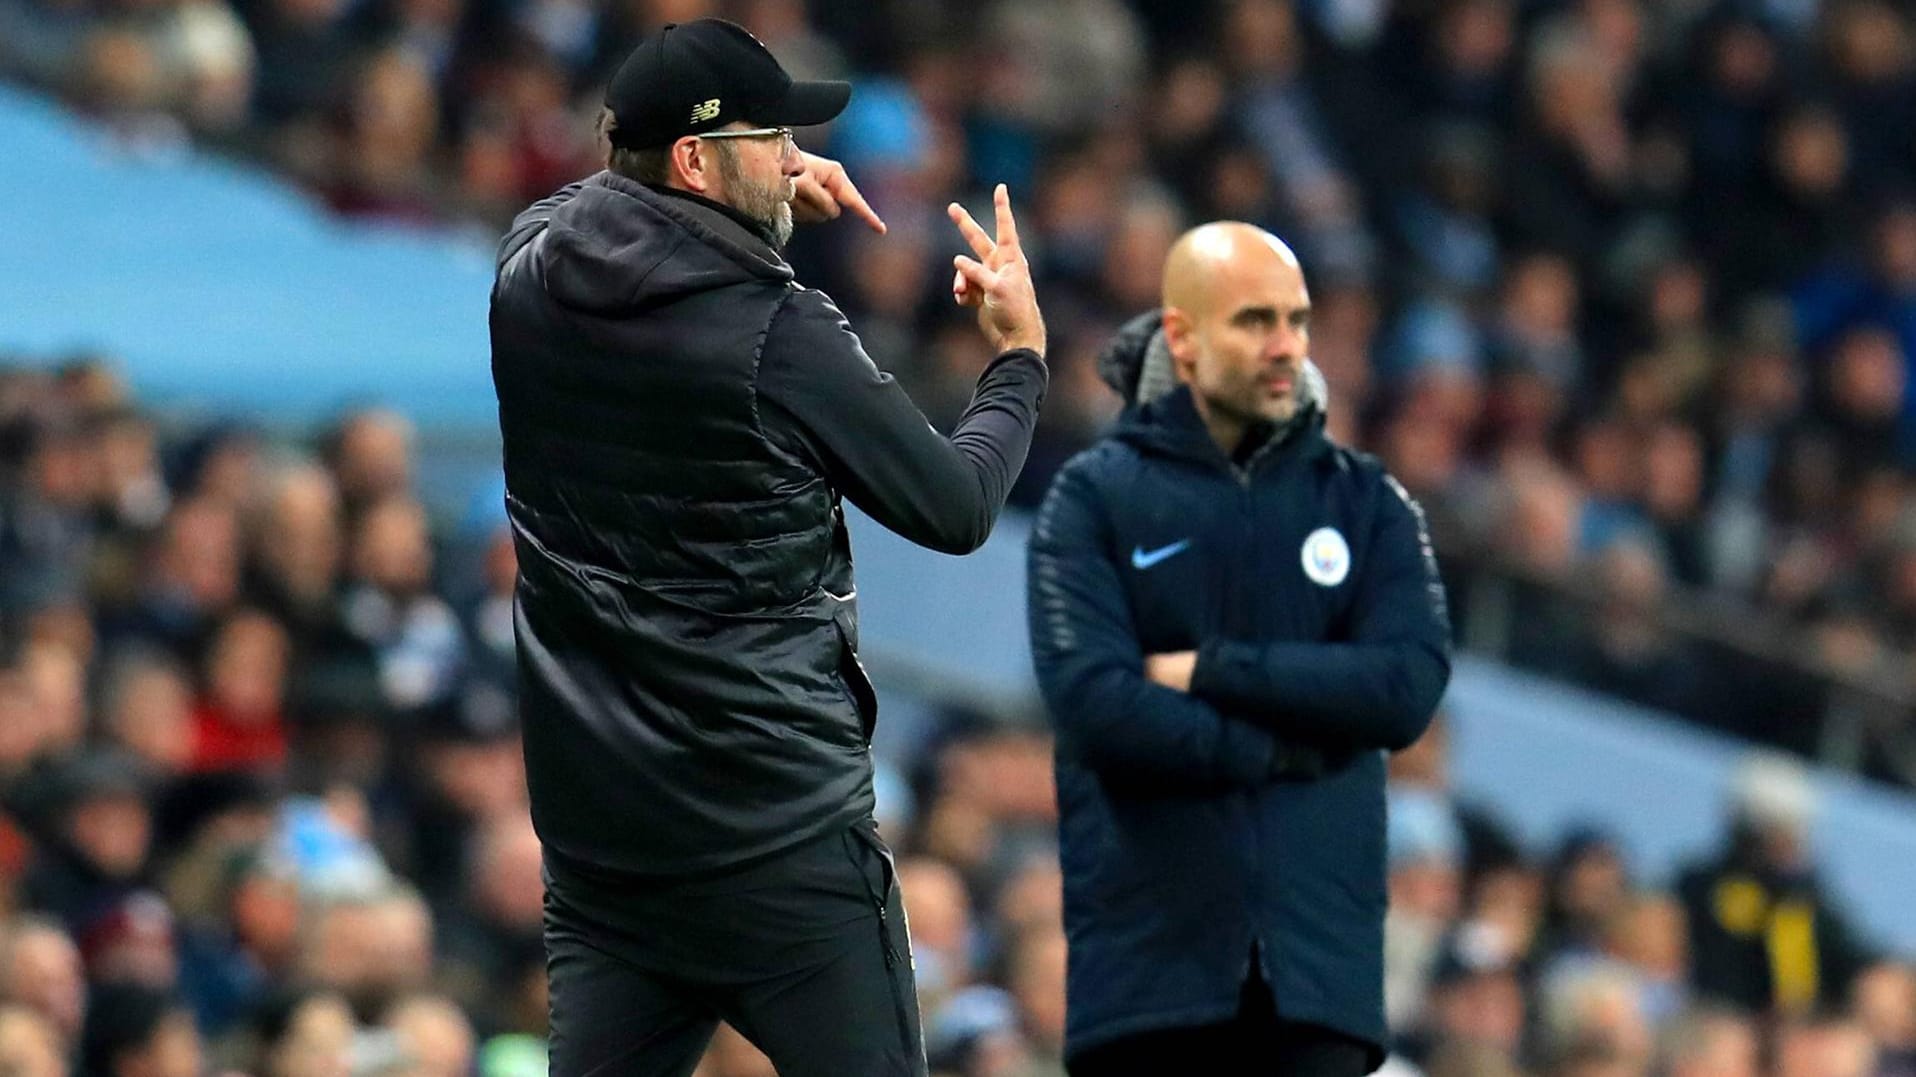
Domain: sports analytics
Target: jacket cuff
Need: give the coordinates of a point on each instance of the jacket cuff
(1218, 675)
(1025, 357)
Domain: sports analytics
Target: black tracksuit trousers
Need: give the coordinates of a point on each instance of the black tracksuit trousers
(806, 955)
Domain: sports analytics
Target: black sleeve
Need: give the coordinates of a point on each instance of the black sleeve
(817, 386)
(1085, 650)
(1379, 688)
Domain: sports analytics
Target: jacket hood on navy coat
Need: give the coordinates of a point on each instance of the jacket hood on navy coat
(619, 247)
(1137, 363)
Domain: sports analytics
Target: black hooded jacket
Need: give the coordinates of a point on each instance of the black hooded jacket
(680, 420)
(1191, 842)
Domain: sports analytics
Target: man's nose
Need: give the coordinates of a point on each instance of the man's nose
(1286, 344)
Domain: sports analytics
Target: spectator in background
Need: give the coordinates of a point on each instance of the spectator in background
(940, 923)
(1878, 289)
(296, 555)
(1863, 396)
(55, 679)
(96, 834)
(371, 948)
(148, 712)
(488, 620)
(243, 943)
(40, 971)
(134, 1030)
(370, 454)
(1425, 850)
(1571, 170)
(193, 580)
(303, 1032)
(470, 772)
(1650, 935)
(1589, 886)
(302, 46)
(239, 721)
(219, 464)
(132, 942)
(1883, 1002)
(434, 1034)
(203, 58)
(390, 607)
(1036, 980)
(976, 1033)
(1823, 1047)
(501, 933)
(44, 533)
(29, 1045)
(1282, 121)
(1621, 641)
(1709, 1042)
(1766, 937)
(1476, 1000)
(1596, 1009)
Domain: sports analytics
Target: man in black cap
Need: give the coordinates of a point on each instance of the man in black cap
(680, 422)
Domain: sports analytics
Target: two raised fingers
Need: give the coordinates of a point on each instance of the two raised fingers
(982, 275)
(981, 244)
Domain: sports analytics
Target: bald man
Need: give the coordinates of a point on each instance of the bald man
(1232, 620)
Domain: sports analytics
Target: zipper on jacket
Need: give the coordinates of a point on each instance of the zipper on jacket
(1247, 617)
(880, 901)
(884, 936)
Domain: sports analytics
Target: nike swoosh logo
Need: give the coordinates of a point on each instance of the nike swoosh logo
(1142, 559)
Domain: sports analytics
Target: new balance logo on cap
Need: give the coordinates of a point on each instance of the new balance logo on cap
(705, 110)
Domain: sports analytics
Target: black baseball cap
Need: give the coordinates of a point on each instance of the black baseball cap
(698, 76)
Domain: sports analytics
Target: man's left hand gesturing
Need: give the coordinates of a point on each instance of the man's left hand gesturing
(825, 191)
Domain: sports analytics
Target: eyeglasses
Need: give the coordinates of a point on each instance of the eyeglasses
(784, 134)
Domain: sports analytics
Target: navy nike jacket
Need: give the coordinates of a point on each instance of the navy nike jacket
(1192, 847)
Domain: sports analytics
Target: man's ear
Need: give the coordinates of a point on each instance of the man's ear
(1180, 336)
(693, 165)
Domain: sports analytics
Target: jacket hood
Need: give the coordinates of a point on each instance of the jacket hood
(1159, 413)
(1137, 363)
(618, 246)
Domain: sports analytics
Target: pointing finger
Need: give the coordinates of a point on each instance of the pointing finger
(845, 193)
(981, 244)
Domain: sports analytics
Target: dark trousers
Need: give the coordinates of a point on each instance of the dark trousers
(794, 953)
(1253, 1044)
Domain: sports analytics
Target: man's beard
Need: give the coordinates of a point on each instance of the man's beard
(766, 205)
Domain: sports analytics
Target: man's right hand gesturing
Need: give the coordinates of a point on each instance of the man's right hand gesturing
(998, 280)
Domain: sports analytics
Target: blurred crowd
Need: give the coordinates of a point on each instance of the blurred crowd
(262, 804)
(1624, 291)
(1502, 963)
(263, 813)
